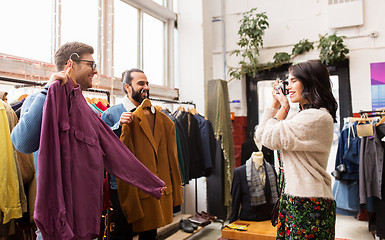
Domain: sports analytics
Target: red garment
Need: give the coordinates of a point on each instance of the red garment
(101, 106)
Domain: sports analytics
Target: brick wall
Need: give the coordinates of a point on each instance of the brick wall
(239, 135)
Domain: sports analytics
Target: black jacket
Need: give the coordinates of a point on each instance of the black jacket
(241, 197)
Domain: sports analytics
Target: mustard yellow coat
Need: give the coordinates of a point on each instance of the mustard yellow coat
(158, 152)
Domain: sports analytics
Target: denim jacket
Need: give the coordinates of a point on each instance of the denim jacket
(348, 153)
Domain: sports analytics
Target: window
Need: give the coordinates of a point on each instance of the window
(125, 37)
(80, 22)
(124, 34)
(26, 29)
(153, 49)
(160, 2)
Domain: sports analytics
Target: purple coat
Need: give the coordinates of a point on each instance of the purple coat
(75, 148)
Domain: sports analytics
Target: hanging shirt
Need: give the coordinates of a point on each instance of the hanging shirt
(75, 148)
(9, 184)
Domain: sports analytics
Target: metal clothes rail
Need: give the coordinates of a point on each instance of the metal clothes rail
(28, 83)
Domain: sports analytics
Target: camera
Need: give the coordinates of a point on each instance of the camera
(283, 86)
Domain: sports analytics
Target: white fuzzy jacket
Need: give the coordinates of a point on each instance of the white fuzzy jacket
(305, 139)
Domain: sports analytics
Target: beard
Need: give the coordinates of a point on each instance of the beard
(137, 95)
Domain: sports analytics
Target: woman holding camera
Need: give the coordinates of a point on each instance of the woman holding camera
(307, 209)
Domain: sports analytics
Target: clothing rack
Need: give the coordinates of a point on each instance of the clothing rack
(28, 83)
(172, 101)
(188, 103)
(374, 113)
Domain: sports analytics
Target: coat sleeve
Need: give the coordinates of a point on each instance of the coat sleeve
(26, 134)
(50, 208)
(120, 162)
(108, 119)
(174, 167)
(362, 176)
(341, 148)
(236, 192)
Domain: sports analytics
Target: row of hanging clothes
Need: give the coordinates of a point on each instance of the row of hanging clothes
(196, 145)
(18, 181)
(358, 188)
(18, 176)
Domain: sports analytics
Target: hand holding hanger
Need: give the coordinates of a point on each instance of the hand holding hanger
(59, 76)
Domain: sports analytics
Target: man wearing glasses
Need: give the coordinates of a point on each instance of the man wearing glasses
(26, 134)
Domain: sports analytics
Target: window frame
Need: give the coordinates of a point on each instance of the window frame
(106, 79)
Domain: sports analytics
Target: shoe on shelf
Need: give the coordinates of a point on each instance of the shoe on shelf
(195, 226)
(208, 216)
(186, 226)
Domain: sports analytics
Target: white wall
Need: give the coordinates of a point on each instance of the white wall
(292, 21)
(191, 79)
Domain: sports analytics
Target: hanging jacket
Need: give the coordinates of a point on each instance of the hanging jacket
(75, 148)
(372, 165)
(157, 150)
(9, 184)
(348, 152)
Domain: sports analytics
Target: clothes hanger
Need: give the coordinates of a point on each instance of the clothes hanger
(381, 121)
(22, 96)
(104, 102)
(193, 111)
(147, 104)
(95, 100)
(70, 71)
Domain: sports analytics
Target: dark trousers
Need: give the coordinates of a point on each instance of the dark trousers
(122, 230)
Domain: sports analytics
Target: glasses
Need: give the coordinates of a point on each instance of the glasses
(93, 64)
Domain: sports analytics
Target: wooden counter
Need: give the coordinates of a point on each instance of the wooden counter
(255, 230)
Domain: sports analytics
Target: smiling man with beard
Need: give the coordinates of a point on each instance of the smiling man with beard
(135, 85)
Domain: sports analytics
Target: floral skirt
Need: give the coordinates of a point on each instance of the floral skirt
(306, 218)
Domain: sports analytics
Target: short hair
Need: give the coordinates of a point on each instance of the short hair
(317, 88)
(64, 52)
(126, 76)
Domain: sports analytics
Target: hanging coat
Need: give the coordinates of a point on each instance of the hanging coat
(158, 152)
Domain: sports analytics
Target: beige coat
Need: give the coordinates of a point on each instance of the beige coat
(158, 152)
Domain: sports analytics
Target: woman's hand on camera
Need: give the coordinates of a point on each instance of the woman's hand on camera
(280, 97)
(276, 103)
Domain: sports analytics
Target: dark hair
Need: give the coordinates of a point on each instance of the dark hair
(317, 89)
(63, 53)
(126, 76)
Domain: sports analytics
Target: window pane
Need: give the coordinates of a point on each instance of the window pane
(153, 49)
(176, 58)
(175, 6)
(80, 22)
(125, 37)
(26, 29)
(160, 2)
